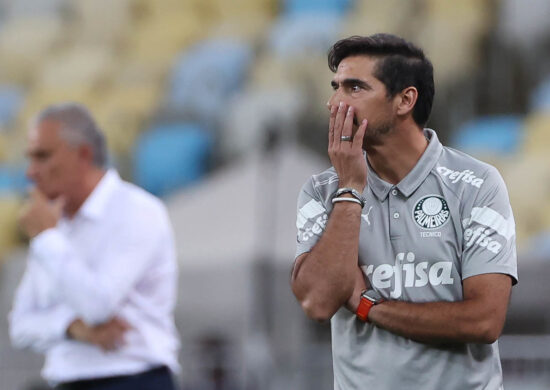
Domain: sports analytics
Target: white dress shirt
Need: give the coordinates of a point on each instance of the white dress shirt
(115, 257)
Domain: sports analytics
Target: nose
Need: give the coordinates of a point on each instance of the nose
(332, 100)
(335, 100)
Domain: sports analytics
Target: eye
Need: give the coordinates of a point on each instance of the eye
(355, 88)
(40, 155)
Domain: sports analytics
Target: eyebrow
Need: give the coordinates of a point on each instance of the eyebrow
(37, 153)
(350, 82)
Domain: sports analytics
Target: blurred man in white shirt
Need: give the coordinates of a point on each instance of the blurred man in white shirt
(99, 290)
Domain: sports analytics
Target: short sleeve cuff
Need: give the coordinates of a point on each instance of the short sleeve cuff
(511, 271)
(301, 250)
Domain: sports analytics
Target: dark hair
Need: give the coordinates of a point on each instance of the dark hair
(401, 64)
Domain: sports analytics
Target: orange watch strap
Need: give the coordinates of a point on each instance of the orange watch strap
(364, 308)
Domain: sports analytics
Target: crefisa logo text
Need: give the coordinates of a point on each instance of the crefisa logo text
(466, 176)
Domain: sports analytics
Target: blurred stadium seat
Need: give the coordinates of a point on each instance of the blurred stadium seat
(24, 42)
(41, 96)
(242, 9)
(540, 97)
(114, 24)
(11, 100)
(25, 8)
(252, 113)
(528, 180)
(76, 66)
(158, 39)
(4, 145)
(12, 180)
(304, 34)
(490, 135)
(12, 185)
(391, 16)
(171, 156)
(524, 27)
(124, 111)
(537, 133)
(297, 47)
(9, 208)
(293, 7)
(205, 76)
(451, 34)
(539, 244)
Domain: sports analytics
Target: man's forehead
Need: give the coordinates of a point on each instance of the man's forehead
(43, 134)
(357, 69)
(357, 65)
(44, 129)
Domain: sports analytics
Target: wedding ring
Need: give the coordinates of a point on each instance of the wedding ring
(346, 138)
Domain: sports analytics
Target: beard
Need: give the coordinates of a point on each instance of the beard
(375, 133)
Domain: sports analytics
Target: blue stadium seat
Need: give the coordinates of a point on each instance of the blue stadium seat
(171, 156)
(304, 34)
(25, 8)
(540, 98)
(13, 179)
(492, 134)
(11, 100)
(294, 7)
(206, 75)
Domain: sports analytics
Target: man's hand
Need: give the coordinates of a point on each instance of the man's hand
(108, 336)
(347, 156)
(39, 213)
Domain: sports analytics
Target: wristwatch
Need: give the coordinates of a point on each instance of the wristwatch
(369, 298)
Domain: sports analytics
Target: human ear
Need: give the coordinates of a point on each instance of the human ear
(86, 153)
(407, 100)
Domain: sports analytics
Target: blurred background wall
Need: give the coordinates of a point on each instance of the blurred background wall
(219, 107)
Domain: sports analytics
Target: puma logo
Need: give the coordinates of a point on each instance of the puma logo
(366, 216)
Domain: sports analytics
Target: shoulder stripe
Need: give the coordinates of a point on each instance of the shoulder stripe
(486, 216)
(310, 210)
(329, 180)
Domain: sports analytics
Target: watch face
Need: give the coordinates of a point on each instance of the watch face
(373, 296)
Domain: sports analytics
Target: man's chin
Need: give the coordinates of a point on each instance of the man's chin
(51, 195)
(373, 138)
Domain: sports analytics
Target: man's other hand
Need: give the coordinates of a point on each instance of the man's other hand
(108, 336)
